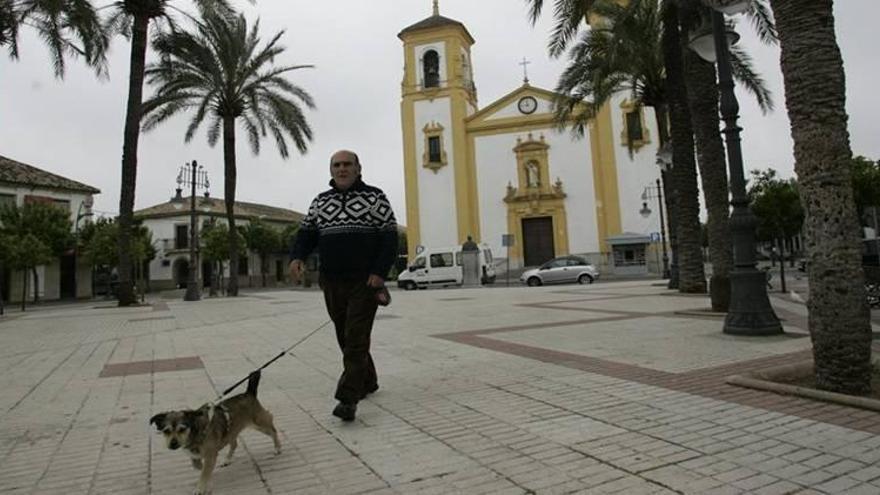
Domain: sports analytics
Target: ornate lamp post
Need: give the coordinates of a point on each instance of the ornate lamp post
(750, 311)
(192, 174)
(651, 193)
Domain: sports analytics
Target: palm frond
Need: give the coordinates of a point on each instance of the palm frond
(743, 71)
(761, 16)
(220, 67)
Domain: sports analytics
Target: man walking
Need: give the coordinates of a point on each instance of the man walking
(353, 227)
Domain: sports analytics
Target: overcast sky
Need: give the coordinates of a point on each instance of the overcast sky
(74, 127)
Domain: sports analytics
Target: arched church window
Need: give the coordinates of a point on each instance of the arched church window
(431, 69)
(533, 174)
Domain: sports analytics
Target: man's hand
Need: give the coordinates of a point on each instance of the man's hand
(375, 281)
(296, 268)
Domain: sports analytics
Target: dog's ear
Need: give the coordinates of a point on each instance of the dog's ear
(158, 420)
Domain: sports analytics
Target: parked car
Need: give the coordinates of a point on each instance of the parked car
(561, 270)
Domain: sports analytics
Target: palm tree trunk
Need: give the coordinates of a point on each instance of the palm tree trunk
(691, 276)
(133, 111)
(702, 96)
(229, 173)
(815, 95)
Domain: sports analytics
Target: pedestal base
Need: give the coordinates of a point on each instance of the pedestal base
(750, 311)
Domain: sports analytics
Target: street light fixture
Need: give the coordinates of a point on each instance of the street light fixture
(646, 212)
(86, 203)
(750, 312)
(729, 7)
(192, 174)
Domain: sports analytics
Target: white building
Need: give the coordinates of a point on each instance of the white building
(67, 277)
(504, 168)
(170, 223)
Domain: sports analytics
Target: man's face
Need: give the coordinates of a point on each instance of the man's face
(344, 169)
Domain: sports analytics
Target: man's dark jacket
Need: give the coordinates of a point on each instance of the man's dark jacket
(354, 230)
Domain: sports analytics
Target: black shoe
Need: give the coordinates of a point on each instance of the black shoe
(345, 411)
(372, 389)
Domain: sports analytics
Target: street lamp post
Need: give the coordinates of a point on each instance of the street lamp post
(750, 312)
(192, 174)
(645, 211)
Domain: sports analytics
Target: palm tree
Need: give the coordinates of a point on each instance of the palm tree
(815, 95)
(691, 275)
(67, 27)
(702, 99)
(220, 71)
(681, 187)
(132, 18)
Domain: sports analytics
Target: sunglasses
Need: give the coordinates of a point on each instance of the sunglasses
(342, 164)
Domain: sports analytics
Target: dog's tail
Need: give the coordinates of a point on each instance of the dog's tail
(253, 383)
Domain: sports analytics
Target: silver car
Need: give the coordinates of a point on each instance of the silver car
(565, 269)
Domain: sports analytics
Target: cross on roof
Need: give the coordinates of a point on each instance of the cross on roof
(525, 63)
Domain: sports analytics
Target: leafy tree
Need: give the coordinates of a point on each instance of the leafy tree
(99, 243)
(28, 252)
(866, 183)
(264, 240)
(220, 70)
(215, 248)
(132, 18)
(67, 27)
(777, 205)
(5, 259)
(43, 227)
(288, 235)
(815, 96)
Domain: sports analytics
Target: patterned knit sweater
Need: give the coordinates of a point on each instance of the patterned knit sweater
(354, 230)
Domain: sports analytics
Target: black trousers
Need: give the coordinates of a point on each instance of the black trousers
(352, 306)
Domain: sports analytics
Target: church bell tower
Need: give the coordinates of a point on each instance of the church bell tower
(437, 96)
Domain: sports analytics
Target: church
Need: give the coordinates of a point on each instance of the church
(504, 173)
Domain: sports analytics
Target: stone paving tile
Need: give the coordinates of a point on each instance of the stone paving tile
(449, 418)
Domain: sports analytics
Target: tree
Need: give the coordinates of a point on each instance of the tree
(866, 183)
(702, 101)
(263, 240)
(5, 260)
(219, 69)
(215, 248)
(616, 55)
(132, 18)
(37, 233)
(777, 206)
(99, 242)
(815, 96)
(67, 27)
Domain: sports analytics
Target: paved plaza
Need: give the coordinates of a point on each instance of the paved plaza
(616, 387)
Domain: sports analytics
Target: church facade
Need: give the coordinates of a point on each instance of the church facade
(505, 171)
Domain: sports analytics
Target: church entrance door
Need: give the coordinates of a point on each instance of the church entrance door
(537, 240)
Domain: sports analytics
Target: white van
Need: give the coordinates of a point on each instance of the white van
(440, 267)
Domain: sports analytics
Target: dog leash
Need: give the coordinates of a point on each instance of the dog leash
(300, 341)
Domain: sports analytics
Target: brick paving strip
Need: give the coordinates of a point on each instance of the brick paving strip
(152, 366)
(704, 382)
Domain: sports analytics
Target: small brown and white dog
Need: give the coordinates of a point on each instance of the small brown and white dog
(205, 431)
